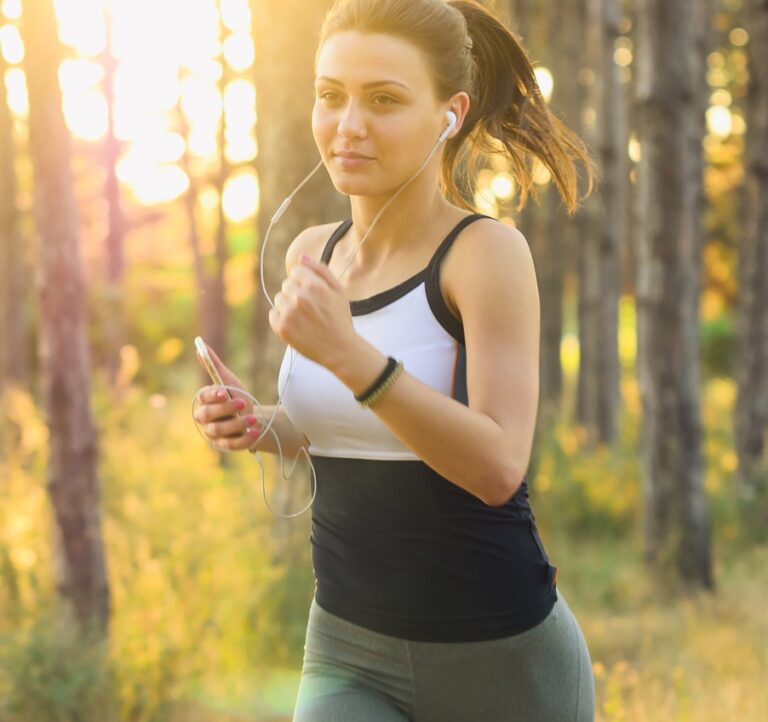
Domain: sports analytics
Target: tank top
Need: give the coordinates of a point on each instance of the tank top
(396, 547)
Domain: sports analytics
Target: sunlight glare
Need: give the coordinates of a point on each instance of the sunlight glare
(11, 44)
(161, 184)
(240, 105)
(546, 81)
(241, 196)
(201, 103)
(503, 186)
(16, 85)
(160, 147)
(485, 202)
(152, 82)
(239, 52)
(239, 148)
(86, 114)
(11, 9)
(719, 121)
(81, 25)
(235, 14)
(202, 143)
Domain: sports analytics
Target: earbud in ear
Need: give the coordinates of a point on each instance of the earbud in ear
(452, 120)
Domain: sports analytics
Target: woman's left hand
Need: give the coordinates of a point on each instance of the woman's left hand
(312, 313)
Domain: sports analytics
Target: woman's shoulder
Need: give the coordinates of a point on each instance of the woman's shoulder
(485, 251)
(311, 241)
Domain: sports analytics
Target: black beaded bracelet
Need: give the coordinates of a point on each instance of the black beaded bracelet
(371, 390)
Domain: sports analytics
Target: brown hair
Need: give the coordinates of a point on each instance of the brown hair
(468, 49)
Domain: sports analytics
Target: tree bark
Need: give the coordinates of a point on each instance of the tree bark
(751, 417)
(670, 179)
(286, 154)
(216, 315)
(601, 266)
(72, 479)
(15, 333)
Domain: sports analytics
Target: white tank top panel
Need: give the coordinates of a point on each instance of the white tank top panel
(410, 322)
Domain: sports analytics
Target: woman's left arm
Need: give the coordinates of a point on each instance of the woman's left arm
(483, 447)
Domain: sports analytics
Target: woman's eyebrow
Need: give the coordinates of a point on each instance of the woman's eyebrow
(373, 84)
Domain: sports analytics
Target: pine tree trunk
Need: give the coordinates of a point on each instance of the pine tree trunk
(601, 263)
(286, 154)
(215, 330)
(287, 31)
(14, 330)
(668, 94)
(751, 417)
(72, 480)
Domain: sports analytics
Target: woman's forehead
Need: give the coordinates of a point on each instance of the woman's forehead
(358, 59)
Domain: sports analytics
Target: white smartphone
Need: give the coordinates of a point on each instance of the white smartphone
(210, 367)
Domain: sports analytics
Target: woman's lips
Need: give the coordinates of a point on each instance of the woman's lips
(351, 160)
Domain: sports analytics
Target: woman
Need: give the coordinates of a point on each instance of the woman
(415, 385)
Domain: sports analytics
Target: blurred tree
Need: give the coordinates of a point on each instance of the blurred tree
(113, 331)
(14, 275)
(190, 200)
(600, 266)
(72, 479)
(215, 316)
(547, 227)
(670, 180)
(751, 417)
(286, 36)
(519, 14)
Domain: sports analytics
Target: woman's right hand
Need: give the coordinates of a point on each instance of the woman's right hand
(230, 424)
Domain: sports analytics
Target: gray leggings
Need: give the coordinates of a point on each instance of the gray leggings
(352, 674)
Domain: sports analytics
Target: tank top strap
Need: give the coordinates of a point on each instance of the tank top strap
(432, 281)
(341, 229)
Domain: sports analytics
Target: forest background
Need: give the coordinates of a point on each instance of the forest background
(143, 148)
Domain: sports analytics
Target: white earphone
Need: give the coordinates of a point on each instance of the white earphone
(452, 120)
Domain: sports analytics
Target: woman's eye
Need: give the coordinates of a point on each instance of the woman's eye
(329, 96)
(384, 99)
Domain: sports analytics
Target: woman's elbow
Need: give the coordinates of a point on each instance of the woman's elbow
(503, 486)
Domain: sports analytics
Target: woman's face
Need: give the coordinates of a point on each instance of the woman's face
(374, 97)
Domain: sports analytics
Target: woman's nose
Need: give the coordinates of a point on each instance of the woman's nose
(351, 122)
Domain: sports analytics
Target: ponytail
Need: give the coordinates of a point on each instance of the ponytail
(508, 115)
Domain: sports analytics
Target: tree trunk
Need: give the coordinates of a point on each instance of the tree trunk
(751, 418)
(670, 179)
(215, 330)
(286, 153)
(601, 267)
(72, 481)
(14, 328)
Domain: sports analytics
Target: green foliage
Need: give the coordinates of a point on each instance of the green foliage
(718, 345)
(56, 675)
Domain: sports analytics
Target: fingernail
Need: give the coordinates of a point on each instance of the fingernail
(239, 404)
(251, 420)
(254, 433)
(221, 394)
(306, 258)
